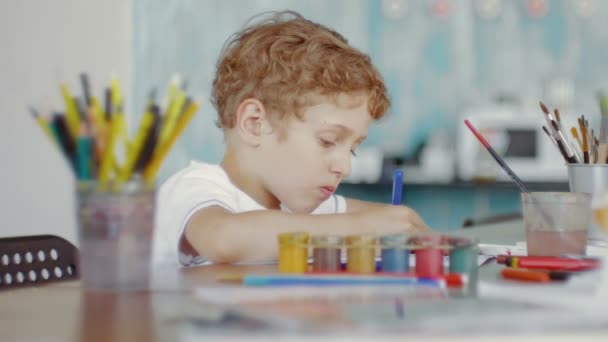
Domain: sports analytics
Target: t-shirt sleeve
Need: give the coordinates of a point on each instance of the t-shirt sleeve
(335, 204)
(177, 201)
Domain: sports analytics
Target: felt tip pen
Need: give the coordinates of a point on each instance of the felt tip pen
(534, 276)
(451, 279)
(397, 187)
(338, 280)
(548, 263)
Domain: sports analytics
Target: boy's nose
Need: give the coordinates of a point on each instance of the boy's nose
(341, 166)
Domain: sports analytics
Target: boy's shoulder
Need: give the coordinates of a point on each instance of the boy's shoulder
(201, 171)
(197, 177)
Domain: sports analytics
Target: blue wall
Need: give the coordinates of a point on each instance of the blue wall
(438, 58)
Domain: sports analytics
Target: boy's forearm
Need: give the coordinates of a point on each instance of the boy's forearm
(355, 205)
(252, 236)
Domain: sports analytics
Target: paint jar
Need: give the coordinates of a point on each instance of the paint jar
(326, 250)
(463, 259)
(428, 249)
(395, 254)
(361, 253)
(293, 252)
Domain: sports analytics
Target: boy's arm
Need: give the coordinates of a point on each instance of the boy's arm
(355, 205)
(226, 237)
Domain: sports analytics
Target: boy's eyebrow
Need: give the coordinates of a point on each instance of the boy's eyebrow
(348, 130)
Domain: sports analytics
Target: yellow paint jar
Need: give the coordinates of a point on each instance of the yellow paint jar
(293, 252)
(361, 253)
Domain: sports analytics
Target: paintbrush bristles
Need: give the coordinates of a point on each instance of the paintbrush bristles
(576, 137)
(574, 133)
(594, 150)
(544, 108)
(557, 115)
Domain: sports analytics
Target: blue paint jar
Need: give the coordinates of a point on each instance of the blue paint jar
(395, 254)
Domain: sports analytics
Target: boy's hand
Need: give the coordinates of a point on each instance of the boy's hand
(387, 219)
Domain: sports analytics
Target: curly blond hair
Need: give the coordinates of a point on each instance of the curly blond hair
(283, 60)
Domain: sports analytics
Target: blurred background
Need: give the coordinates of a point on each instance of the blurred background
(443, 60)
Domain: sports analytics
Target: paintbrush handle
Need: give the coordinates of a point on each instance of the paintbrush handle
(508, 170)
(603, 130)
(561, 139)
(497, 157)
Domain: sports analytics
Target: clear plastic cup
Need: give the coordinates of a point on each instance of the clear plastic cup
(115, 231)
(556, 223)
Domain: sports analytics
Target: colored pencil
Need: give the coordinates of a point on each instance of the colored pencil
(95, 139)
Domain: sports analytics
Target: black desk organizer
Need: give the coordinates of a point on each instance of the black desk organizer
(34, 260)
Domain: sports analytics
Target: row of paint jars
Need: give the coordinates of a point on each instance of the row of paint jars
(361, 250)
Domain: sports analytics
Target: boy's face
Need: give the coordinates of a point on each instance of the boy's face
(304, 165)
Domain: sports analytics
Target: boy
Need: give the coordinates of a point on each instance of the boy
(294, 101)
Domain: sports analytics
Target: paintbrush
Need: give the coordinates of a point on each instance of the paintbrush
(562, 136)
(602, 154)
(576, 137)
(522, 187)
(581, 124)
(560, 139)
(557, 117)
(594, 143)
(544, 108)
(551, 138)
(589, 138)
(497, 157)
(603, 98)
(577, 152)
(560, 147)
(551, 133)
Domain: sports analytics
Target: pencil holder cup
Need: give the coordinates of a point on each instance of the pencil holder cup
(591, 179)
(115, 232)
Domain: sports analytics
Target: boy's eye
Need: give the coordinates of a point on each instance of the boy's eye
(326, 143)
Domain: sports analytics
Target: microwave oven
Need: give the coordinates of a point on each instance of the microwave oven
(517, 135)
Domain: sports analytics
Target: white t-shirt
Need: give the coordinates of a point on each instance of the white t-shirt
(198, 186)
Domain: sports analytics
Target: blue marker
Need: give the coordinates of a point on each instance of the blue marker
(397, 186)
(338, 280)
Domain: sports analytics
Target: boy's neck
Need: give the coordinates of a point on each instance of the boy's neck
(248, 182)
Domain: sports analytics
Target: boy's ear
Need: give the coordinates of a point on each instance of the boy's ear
(252, 121)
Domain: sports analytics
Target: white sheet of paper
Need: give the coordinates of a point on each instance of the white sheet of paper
(495, 249)
(578, 292)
